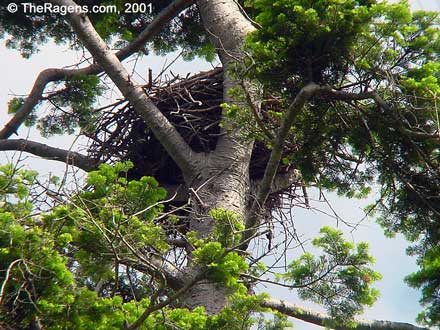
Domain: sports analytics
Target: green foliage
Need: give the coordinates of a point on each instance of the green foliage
(240, 114)
(48, 266)
(223, 267)
(340, 278)
(427, 278)
(115, 215)
(14, 190)
(240, 313)
(15, 104)
(228, 227)
(279, 322)
(30, 265)
(348, 146)
(51, 267)
(354, 46)
(77, 98)
(31, 30)
(311, 39)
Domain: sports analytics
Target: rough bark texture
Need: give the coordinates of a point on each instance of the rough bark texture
(223, 177)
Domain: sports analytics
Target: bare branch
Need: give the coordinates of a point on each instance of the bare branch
(42, 150)
(50, 75)
(324, 320)
(5, 281)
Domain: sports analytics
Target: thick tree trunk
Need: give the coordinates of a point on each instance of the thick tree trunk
(223, 178)
(223, 183)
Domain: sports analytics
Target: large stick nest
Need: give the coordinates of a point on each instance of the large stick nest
(192, 105)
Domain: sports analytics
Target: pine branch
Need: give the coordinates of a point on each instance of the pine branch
(275, 156)
(303, 96)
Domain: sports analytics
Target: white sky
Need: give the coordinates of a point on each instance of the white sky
(397, 302)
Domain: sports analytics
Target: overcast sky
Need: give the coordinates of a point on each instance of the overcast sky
(398, 302)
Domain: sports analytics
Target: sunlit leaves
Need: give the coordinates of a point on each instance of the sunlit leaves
(77, 97)
(340, 278)
(311, 39)
(427, 278)
(47, 266)
(228, 227)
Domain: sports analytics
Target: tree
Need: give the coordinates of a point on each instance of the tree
(333, 94)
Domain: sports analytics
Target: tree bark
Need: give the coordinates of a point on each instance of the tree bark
(223, 178)
(42, 150)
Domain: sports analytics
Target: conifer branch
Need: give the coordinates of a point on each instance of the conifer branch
(164, 131)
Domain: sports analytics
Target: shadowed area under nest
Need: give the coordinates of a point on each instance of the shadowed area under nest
(192, 105)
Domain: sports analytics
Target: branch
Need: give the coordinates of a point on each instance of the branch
(164, 131)
(323, 320)
(152, 308)
(280, 182)
(50, 75)
(275, 156)
(42, 150)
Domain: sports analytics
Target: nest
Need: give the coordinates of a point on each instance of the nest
(192, 105)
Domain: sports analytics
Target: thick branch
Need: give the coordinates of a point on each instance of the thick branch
(295, 107)
(42, 150)
(50, 75)
(172, 141)
(324, 320)
(281, 182)
(275, 156)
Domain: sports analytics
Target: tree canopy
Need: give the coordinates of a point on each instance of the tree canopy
(328, 94)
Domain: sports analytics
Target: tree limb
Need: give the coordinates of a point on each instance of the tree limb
(275, 156)
(155, 307)
(324, 320)
(164, 131)
(53, 74)
(43, 150)
(280, 182)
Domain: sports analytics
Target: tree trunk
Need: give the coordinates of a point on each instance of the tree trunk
(223, 178)
(223, 183)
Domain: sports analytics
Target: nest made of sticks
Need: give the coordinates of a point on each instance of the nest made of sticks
(192, 105)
